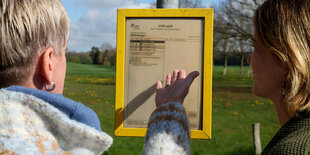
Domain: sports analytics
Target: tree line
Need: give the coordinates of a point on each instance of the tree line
(108, 57)
(104, 55)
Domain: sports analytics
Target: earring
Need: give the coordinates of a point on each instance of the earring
(283, 87)
(50, 88)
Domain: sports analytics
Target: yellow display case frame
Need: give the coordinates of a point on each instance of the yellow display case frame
(122, 15)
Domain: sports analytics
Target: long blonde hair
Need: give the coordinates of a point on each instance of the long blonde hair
(27, 27)
(284, 27)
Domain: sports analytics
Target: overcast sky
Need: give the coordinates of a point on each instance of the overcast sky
(93, 22)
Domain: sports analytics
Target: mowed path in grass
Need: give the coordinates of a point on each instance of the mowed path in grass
(233, 112)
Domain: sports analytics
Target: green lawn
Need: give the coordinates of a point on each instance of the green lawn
(234, 110)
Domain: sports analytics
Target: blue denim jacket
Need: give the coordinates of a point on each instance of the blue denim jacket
(74, 110)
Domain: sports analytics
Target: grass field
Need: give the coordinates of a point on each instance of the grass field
(234, 110)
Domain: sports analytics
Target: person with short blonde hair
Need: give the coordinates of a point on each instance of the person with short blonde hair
(28, 28)
(35, 117)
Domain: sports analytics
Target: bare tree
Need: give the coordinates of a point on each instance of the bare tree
(105, 46)
(236, 19)
(220, 42)
(109, 57)
(108, 54)
(243, 50)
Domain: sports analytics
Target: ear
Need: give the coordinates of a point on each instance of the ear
(46, 69)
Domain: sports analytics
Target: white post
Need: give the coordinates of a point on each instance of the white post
(256, 136)
(167, 4)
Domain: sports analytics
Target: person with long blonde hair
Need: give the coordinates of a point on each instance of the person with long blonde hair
(281, 73)
(281, 67)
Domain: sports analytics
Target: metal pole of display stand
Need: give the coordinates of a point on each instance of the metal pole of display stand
(167, 4)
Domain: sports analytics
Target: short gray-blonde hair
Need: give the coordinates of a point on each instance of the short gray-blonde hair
(27, 27)
(284, 27)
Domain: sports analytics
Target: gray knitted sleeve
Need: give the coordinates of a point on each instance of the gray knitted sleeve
(168, 131)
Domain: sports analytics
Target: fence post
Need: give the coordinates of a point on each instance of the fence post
(250, 72)
(256, 136)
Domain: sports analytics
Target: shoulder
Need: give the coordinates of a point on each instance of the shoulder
(86, 115)
(7, 95)
(74, 110)
(297, 142)
(289, 147)
(28, 122)
(19, 100)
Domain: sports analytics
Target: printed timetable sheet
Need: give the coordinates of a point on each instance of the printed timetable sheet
(154, 48)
